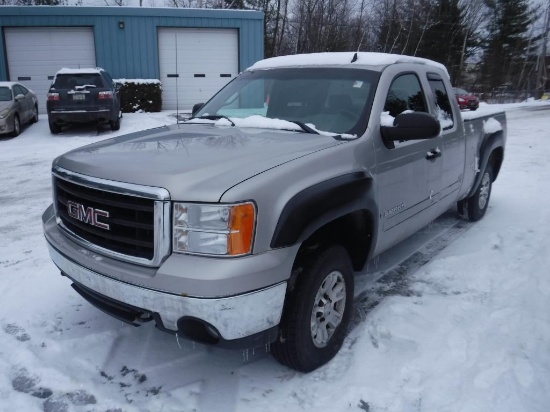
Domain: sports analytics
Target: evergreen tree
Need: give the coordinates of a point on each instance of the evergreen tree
(447, 39)
(506, 53)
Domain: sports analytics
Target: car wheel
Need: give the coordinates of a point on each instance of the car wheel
(16, 126)
(54, 128)
(317, 311)
(34, 118)
(474, 207)
(115, 124)
(474, 109)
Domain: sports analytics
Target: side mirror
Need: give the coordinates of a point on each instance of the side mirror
(19, 97)
(411, 126)
(196, 108)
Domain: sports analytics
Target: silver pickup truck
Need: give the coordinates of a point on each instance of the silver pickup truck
(243, 226)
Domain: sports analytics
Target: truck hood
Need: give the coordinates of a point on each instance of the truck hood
(193, 162)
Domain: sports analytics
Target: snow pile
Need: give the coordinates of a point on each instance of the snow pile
(386, 119)
(491, 125)
(137, 81)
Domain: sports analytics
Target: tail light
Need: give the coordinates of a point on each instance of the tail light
(105, 95)
(53, 97)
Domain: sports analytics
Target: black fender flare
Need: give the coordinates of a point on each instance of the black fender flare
(489, 144)
(322, 203)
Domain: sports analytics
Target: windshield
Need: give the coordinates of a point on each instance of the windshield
(5, 94)
(334, 100)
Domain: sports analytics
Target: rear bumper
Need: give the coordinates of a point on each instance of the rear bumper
(81, 116)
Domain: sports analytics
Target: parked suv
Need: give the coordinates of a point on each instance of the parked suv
(81, 96)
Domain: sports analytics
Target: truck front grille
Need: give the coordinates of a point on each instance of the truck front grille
(125, 225)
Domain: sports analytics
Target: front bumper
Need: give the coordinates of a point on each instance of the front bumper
(233, 317)
(6, 124)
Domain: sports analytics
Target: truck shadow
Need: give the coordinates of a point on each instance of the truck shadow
(389, 274)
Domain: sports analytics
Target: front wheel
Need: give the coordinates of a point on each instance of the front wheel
(317, 311)
(16, 126)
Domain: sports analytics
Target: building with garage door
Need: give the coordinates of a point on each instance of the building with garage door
(193, 52)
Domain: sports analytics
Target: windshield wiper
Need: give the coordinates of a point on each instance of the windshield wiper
(214, 117)
(304, 126)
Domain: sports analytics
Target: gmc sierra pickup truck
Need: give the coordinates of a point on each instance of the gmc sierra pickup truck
(244, 225)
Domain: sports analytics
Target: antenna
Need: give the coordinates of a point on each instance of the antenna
(361, 42)
(177, 75)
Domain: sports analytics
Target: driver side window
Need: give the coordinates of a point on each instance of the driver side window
(405, 95)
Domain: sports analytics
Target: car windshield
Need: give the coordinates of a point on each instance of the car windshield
(5, 94)
(77, 80)
(460, 91)
(327, 99)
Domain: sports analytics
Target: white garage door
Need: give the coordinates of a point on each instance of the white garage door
(35, 54)
(195, 64)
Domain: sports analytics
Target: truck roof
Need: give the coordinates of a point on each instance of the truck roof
(378, 60)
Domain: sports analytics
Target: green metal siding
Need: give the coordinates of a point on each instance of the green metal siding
(132, 52)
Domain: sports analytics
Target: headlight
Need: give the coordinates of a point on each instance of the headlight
(213, 229)
(4, 113)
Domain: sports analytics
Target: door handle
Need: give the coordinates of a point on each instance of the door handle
(433, 154)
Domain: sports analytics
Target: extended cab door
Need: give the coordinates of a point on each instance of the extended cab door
(452, 139)
(409, 172)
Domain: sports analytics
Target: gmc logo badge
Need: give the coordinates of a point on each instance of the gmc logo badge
(87, 215)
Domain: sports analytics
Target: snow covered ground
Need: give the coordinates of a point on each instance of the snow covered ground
(468, 332)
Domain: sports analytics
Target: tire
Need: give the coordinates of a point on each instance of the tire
(115, 124)
(54, 128)
(307, 338)
(34, 118)
(474, 207)
(16, 126)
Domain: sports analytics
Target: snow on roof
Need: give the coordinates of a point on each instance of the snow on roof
(341, 59)
(66, 70)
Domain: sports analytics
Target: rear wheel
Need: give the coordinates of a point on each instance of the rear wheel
(34, 118)
(475, 206)
(115, 124)
(16, 126)
(317, 311)
(54, 128)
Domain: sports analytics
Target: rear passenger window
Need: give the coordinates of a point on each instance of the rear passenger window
(442, 103)
(405, 94)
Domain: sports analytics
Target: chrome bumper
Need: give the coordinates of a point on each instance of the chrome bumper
(234, 317)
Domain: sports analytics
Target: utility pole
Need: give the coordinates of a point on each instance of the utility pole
(542, 75)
